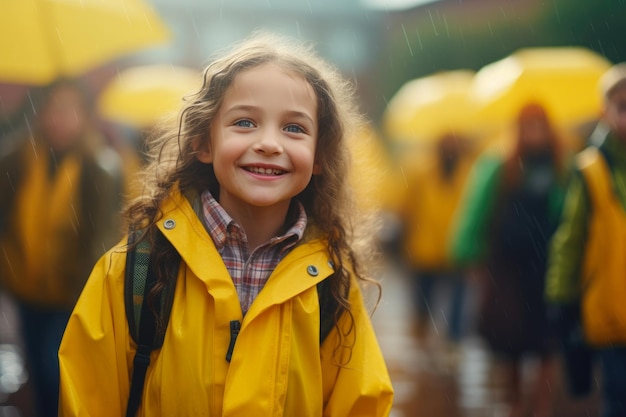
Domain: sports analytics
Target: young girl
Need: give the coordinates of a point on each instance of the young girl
(250, 190)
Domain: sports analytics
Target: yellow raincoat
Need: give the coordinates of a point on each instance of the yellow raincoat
(428, 213)
(274, 369)
(604, 290)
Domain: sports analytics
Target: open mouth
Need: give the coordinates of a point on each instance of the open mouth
(265, 171)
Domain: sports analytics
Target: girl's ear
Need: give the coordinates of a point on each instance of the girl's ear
(317, 169)
(203, 151)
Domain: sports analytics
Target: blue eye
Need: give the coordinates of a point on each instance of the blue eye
(294, 129)
(244, 123)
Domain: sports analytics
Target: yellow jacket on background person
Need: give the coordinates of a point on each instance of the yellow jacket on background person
(273, 370)
(54, 227)
(602, 278)
(430, 205)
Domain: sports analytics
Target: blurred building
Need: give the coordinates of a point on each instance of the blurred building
(345, 32)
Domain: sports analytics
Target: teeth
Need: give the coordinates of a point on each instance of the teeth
(265, 171)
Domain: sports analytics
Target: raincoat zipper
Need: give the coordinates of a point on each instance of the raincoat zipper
(235, 326)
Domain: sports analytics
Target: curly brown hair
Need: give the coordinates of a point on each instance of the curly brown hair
(327, 199)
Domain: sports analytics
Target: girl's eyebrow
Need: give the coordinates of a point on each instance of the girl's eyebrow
(300, 114)
(248, 107)
(241, 107)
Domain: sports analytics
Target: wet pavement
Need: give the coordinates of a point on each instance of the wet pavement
(15, 391)
(431, 378)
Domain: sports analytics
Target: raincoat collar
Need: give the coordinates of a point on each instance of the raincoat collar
(307, 264)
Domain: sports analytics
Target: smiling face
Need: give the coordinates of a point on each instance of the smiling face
(263, 140)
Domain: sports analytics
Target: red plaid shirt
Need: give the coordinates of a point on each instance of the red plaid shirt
(249, 270)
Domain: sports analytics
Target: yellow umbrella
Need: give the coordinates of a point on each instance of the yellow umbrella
(41, 40)
(425, 108)
(375, 179)
(564, 80)
(139, 96)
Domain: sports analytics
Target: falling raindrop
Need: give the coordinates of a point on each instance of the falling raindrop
(601, 47)
(445, 22)
(419, 38)
(31, 136)
(407, 40)
(503, 12)
(195, 28)
(433, 23)
(32, 104)
(556, 11)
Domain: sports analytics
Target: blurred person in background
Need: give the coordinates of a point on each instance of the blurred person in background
(586, 278)
(433, 192)
(61, 189)
(510, 210)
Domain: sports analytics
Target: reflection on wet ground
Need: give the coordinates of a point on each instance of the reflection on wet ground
(434, 379)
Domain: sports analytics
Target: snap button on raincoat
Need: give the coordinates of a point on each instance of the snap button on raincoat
(278, 367)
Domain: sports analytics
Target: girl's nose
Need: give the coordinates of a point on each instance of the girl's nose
(269, 143)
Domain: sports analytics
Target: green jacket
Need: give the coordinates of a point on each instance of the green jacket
(568, 244)
(469, 241)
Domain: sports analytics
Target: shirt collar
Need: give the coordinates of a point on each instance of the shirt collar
(219, 224)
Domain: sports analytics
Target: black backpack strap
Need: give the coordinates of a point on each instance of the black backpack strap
(140, 278)
(328, 308)
(135, 277)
